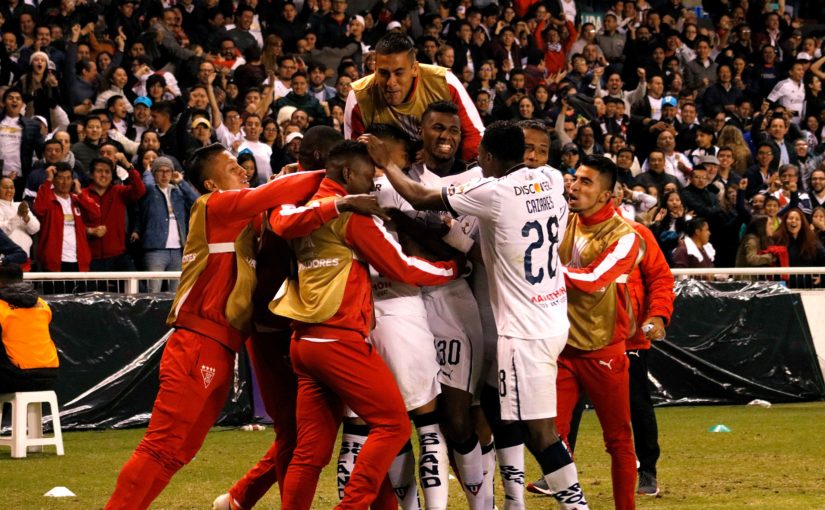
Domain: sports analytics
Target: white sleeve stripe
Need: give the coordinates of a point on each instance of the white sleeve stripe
(622, 249)
(349, 108)
(466, 102)
(289, 210)
(417, 263)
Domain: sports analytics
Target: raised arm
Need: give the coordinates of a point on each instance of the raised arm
(290, 222)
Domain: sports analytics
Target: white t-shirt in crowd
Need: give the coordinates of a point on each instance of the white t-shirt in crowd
(262, 153)
(11, 136)
(522, 217)
(173, 237)
(69, 253)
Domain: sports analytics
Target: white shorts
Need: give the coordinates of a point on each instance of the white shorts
(453, 317)
(406, 345)
(527, 377)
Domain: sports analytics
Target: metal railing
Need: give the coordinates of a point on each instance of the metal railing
(134, 282)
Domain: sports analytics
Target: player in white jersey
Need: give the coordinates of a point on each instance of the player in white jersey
(403, 339)
(522, 215)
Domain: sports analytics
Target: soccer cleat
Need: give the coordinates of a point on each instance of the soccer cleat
(539, 487)
(647, 484)
(225, 502)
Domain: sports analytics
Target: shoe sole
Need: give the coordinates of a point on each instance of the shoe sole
(535, 490)
(656, 494)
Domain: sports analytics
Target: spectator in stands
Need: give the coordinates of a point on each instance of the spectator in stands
(261, 151)
(698, 198)
(760, 173)
(16, 220)
(818, 223)
(694, 249)
(751, 252)
(300, 98)
(88, 149)
(108, 246)
(772, 211)
(670, 223)
(655, 175)
(791, 193)
(28, 360)
(804, 249)
(790, 92)
(63, 244)
(816, 187)
(163, 220)
(20, 138)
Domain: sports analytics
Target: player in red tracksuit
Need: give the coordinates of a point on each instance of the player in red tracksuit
(331, 304)
(651, 295)
(599, 251)
(210, 315)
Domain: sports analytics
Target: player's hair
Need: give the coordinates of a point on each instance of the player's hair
(442, 106)
(10, 273)
(695, 225)
(341, 154)
(394, 133)
(505, 141)
(535, 125)
(394, 42)
(604, 166)
(199, 165)
(318, 139)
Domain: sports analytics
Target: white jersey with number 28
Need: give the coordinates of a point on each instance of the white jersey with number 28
(522, 217)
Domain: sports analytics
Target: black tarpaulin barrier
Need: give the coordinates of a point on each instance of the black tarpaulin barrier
(110, 348)
(732, 342)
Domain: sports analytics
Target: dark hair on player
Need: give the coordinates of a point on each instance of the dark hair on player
(391, 132)
(604, 166)
(505, 141)
(198, 169)
(442, 106)
(342, 154)
(394, 42)
(315, 147)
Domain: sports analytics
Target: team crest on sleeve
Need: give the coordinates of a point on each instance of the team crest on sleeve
(460, 189)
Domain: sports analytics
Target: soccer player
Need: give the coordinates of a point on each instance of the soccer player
(268, 345)
(331, 306)
(210, 315)
(599, 250)
(400, 90)
(521, 215)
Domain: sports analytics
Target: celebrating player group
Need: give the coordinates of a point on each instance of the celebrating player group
(391, 282)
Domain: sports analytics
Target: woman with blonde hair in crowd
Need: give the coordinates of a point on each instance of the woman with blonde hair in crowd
(273, 48)
(730, 136)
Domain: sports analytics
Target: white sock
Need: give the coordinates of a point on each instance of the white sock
(511, 467)
(433, 463)
(488, 460)
(352, 441)
(471, 469)
(562, 477)
(402, 478)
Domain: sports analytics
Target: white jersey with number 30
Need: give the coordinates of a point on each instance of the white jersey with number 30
(522, 217)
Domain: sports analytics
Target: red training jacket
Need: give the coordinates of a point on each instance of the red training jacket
(376, 247)
(50, 213)
(203, 309)
(112, 204)
(651, 288)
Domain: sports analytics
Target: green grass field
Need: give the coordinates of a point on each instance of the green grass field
(772, 459)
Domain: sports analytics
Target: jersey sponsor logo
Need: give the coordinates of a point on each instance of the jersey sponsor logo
(551, 297)
(608, 364)
(189, 257)
(532, 188)
(208, 373)
(252, 262)
(317, 263)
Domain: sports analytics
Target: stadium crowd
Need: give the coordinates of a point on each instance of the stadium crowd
(715, 113)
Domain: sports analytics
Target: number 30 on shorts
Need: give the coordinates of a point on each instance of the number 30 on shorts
(448, 351)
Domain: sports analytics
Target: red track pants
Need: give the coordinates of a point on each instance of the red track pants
(195, 374)
(331, 375)
(269, 353)
(605, 381)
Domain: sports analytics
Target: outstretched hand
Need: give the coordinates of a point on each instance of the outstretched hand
(378, 151)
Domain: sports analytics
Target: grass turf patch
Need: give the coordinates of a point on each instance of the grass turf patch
(772, 458)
